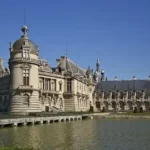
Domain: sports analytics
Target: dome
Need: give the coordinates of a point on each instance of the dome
(18, 44)
(23, 40)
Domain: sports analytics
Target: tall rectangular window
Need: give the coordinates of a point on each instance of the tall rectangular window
(46, 84)
(60, 86)
(69, 85)
(25, 77)
(25, 53)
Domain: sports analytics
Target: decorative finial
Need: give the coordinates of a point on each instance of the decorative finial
(37, 47)
(10, 43)
(24, 30)
(11, 46)
(103, 71)
(134, 78)
(116, 78)
(66, 50)
(106, 79)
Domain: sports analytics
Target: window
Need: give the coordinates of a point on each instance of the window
(60, 86)
(25, 53)
(46, 84)
(25, 77)
(69, 85)
(53, 85)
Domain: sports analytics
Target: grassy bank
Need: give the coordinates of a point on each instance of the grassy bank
(134, 114)
(16, 148)
(126, 115)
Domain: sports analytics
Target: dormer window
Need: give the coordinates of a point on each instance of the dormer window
(25, 53)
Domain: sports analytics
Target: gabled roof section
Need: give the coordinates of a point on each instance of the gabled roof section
(69, 66)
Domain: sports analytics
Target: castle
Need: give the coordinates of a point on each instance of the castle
(32, 85)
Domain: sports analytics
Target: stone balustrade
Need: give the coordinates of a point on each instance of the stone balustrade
(22, 59)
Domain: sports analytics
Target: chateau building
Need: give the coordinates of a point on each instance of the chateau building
(32, 85)
(123, 95)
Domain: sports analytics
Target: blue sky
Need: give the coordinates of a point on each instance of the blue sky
(118, 31)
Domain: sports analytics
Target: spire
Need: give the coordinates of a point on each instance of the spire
(24, 29)
(97, 64)
(66, 50)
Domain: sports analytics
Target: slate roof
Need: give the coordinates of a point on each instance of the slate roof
(123, 85)
(18, 44)
(74, 68)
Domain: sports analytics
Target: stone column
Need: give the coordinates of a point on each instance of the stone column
(43, 83)
(143, 96)
(48, 84)
(110, 96)
(135, 95)
(102, 96)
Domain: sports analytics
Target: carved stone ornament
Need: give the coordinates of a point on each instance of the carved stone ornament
(25, 66)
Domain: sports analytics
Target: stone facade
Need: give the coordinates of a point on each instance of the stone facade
(32, 85)
(129, 95)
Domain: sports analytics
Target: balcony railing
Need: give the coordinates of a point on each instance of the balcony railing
(68, 93)
(25, 87)
(49, 91)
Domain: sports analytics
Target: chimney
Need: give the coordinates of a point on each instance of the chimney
(57, 62)
(134, 77)
(1, 63)
(63, 63)
(116, 78)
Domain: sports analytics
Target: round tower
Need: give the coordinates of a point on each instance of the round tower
(23, 65)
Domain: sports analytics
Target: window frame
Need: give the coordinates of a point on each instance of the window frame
(26, 53)
(69, 85)
(26, 76)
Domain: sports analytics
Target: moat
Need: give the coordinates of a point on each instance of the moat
(96, 134)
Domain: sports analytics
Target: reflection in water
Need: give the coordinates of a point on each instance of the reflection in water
(93, 134)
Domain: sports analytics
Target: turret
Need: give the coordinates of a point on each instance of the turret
(24, 65)
(97, 74)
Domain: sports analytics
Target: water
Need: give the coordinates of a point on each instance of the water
(93, 134)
